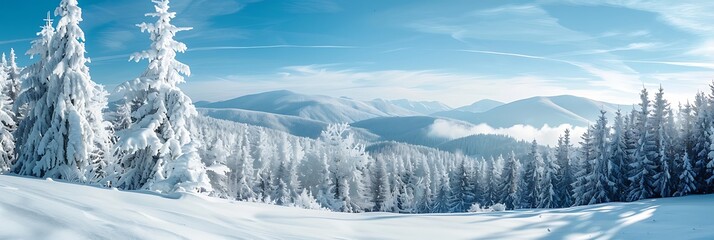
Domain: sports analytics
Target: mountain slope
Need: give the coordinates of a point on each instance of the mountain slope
(481, 106)
(294, 125)
(538, 111)
(423, 107)
(39, 209)
(320, 108)
(297, 126)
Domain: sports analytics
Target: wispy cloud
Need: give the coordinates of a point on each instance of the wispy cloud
(15, 41)
(624, 80)
(514, 23)
(312, 6)
(681, 64)
(266, 47)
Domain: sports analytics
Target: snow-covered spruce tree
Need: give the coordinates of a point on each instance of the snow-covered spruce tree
(548, 197)
(618, 157)
(462, 194)
(7, 126)
(424, 193)
(659, 125)
(510, 179)
(347, 161)
(599, 186)
(493, 182)
(441, 200)
(533, 174)
(35, 89)
(379, 190)
(643, 168)
(565, 174)
(701, 144)
(687, 180)
(156, 151)
(243, 173)
(583, 168)
(75, 140)
(13, 82)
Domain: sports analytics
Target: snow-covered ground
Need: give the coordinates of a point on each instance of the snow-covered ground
(42, 209)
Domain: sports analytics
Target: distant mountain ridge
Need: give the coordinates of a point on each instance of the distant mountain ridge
(534, 111)
(481, 106)
(324, 108)
(537, 112)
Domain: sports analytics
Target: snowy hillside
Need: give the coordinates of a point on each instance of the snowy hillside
(538, 111)
(41, 209)
(481, 106)
(319, 108)
(294, 125)
(423, 107)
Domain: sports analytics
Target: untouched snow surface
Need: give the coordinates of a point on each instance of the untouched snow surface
(42, 209)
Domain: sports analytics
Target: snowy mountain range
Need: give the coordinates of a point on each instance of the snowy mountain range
(538, 111)
(535, 111)
(481, 106)
(315, 107)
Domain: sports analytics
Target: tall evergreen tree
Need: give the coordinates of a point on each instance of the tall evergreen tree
(619, 156)
(461, 196)
(583, 168)
(76, 138)
(565, 173)
(157, 150)
(7, 126)
(30, 102)
(549, 197)
(687, 181)
(662, 160)
(643, 168)
(510, 183)
(600, 186)
(13, 82)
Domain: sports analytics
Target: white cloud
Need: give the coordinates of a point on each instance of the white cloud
(512, 22)
(546, 135)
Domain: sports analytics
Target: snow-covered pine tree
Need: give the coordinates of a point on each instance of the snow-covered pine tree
(441, 201)
(424, 193)
(548, 197)
(461, 196)
(565, 174)
(35, 89)
(494, 180)
(662, 160)
(510, 183)
(599, 185)
(533, 174)
(347, 162)
(7, 126)
(13, 82)
(618, 158)
(643, 168)
(687, 180)
(244, 173)
(583, 168)
(701, 143)
(380, 192)
(75, 141)
(157, 151)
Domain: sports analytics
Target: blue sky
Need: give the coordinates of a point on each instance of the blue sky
(456, 52)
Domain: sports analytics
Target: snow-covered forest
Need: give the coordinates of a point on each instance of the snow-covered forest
(57, 123)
